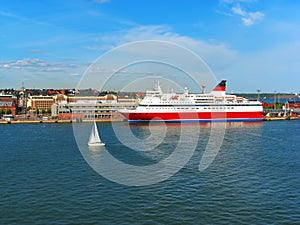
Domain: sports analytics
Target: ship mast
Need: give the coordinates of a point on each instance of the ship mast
(203, 88)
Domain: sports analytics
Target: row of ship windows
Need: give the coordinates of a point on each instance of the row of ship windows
(196, 100)
(167, 102)
(203, 100)
(92, 107)
(201, 105)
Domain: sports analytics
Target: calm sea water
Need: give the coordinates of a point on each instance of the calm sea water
(255, 179)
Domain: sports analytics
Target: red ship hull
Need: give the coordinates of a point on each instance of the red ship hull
(193, 116)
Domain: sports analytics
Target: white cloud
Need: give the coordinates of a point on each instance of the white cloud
(6, 14)
(256, 15)
(238, 10)
(35, 64)
(215, 54)
(234, 8)
(40, 73)
(74, 74)
(53, 69)
(100, 48)
(242, 70)
(248, 18)
(274, 69)
(247, 21)
(27, 62)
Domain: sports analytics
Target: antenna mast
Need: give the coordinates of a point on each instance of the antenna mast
(203, 88)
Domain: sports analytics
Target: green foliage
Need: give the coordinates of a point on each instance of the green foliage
(43, 111)
(37, 111)
(2, 111)
(279, 105)
(48, 111)
(8, 111)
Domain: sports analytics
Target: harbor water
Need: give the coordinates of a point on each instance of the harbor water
(254, 179)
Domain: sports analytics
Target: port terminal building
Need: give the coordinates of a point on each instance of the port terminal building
(91, 107)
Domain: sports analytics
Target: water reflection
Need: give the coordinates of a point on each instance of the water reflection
(139, 154)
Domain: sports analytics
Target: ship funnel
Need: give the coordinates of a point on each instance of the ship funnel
(221, 86)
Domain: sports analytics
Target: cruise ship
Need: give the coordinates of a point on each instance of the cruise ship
(216, 106)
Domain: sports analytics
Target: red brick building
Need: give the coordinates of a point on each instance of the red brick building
(8, 102)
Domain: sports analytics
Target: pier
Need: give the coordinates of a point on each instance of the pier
(281, 114)
(54, 121)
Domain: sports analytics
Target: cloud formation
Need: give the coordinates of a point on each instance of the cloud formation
(235, 9)
(35, 64)
(248, 18)
(216, 54)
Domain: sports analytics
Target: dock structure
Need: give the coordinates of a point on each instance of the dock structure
(58, 121)
(281, 114)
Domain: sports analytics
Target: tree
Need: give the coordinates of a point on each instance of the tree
(8, 111)
(1, 112)
(48, 111)
(43, 111)
(37, 111)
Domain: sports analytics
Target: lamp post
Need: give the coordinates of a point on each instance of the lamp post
(274, 99)
(258, 94)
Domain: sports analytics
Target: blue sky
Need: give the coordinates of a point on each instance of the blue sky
(254, 44)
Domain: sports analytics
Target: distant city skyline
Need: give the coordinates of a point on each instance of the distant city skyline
(253, 44)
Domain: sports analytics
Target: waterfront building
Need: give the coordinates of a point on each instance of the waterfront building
(107, 111)
(60, 98)
(90, 110)
(40, 102)
(8, 104)
(91, 107)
